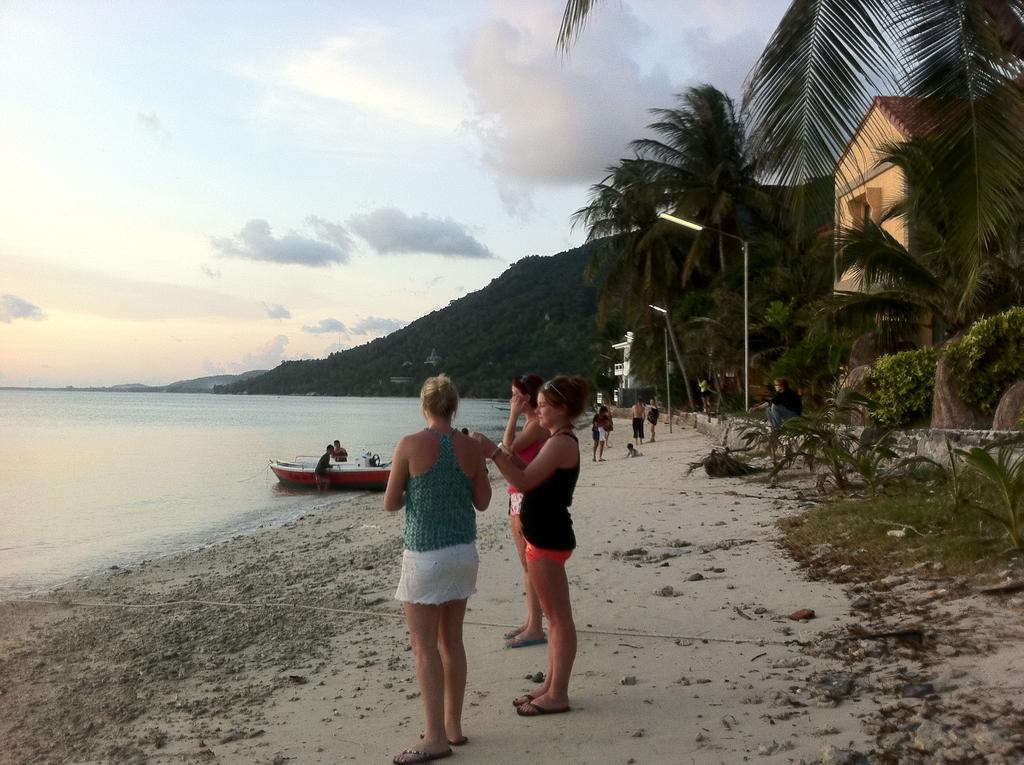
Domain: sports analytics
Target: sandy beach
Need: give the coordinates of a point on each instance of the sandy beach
(286, 646)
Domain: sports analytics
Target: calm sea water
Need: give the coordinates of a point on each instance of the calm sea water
(89, 480)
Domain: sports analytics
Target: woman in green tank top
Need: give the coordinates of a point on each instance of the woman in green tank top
(439, 476)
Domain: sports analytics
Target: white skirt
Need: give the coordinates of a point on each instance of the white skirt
(434, 577)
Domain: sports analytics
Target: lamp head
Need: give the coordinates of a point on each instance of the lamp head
(681, 222)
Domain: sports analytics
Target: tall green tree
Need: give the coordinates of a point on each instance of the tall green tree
(701, 164)
(695, 165)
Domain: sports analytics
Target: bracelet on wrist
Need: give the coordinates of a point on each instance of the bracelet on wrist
(496, 452)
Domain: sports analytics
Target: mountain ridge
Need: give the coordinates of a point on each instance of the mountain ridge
(537, 316)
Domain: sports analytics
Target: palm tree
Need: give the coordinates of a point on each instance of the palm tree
(900, 286)
(697, 166)
(700, 161)
(828, 58)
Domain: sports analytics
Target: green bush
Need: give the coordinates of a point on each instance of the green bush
(901, 385)
(989, 358)
(812, 364)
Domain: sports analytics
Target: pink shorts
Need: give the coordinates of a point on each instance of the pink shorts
(536, 553)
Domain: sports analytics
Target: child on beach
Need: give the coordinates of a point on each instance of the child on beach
(525, 445)
(632, 452)
(548, 484)
(440, 476)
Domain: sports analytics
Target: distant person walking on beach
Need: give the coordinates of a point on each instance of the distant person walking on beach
(705, 395)
(322, 468)
(652, 416)
(340, 452)
(638, 421)
(440, 476)
(525, 444)
(548, 484)
(600, 427)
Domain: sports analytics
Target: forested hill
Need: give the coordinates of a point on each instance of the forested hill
(538, 316)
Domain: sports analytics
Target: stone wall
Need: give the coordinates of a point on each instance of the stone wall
(925, 442)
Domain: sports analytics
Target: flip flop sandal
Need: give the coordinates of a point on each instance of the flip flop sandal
(413, 756)
(520, 700)
(517, 643)
(529, 709)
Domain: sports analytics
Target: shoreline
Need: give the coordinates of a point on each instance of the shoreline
(125, 563)
(671, 667)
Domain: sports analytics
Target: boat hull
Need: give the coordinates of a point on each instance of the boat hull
(340, 476)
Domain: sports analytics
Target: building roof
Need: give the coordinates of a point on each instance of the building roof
(904, 114)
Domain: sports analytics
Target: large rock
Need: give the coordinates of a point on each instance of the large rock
(857, 380)
(864, 351)
(949, 410)
(1010, 409)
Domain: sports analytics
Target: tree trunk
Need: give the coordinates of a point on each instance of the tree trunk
(679, 361)
(949, 410)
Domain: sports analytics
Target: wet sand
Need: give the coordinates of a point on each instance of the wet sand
(286, 646)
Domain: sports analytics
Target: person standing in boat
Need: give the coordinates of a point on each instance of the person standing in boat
(548, 484)
(440, 476)
(340, 452)
(322, 468)
(525, 444)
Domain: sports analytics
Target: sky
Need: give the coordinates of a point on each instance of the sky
(197, 188)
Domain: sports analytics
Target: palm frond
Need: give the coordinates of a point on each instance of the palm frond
(965, 81)
(812, 85)
(574, 18)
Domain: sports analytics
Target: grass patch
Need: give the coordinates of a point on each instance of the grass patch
(964, 542)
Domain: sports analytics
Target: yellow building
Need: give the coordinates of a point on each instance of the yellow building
(866, 186)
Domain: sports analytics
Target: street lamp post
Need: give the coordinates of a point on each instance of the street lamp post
(679, 359)
(668, 381)
(746, 300)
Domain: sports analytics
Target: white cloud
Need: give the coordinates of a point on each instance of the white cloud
(547, 120)
(275, 311)
(13, 307)
(256, 242)
(391, 231)
(324, 326)
(266, 356)
(376, 325)
(362, 69)
(151, 121)
(326, 231)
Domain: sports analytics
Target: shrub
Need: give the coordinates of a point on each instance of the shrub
(812, 364)
(989, 358)
(901, 385)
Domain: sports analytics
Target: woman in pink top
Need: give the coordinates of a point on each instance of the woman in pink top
(525, 444)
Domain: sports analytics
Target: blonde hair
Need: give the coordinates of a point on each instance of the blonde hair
(439, 396)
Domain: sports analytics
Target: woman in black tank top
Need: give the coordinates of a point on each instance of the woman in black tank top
(547, 484)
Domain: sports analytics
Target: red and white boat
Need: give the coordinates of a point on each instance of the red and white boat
(364, 473)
